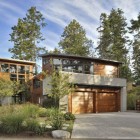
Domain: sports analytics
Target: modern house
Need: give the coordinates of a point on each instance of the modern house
(16, 70)
(98, 85)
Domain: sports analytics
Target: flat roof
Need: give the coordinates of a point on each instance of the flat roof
(17, 60)
(80, 57)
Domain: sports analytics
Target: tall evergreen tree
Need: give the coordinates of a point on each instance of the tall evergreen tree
(135, 29)
(104, 43)
(113, 40)
(74, 40)
(26, 36)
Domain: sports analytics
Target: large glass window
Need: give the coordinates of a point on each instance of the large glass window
(27, 69)
(13, 68)
(57, 61)
(72, 65)
(92, 68)
(36, 83)
(4, 67)
(21, 69)
(46, 61)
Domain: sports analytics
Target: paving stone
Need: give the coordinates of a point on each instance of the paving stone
(60, 134)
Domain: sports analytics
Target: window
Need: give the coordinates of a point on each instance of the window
(57, 61)
(4, 67)
(45, 61)
(36, 83)
(27, 69)
(72, 65)
(21, 69)
(21, 79)
(13, 77)
(92, 68)
(13, 68)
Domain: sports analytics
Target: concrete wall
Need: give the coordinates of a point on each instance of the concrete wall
(89, 79)
(64, 103)
(123, 99)
(6, 100)
(46, 85)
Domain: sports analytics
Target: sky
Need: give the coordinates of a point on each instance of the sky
(58, 14)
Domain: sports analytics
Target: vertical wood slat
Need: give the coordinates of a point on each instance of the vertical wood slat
(70, 102)
(96, 101)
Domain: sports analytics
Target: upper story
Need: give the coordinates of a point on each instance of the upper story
(77, 64)
(16, 70)
(85, 70)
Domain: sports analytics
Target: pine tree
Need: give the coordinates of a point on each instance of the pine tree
(74, 40)
(26, 36)
(105, 37)
(113, 40)
(135, 29)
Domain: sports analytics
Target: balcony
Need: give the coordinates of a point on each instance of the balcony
(90, 79)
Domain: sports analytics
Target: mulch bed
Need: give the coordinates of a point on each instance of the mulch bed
(26, 134)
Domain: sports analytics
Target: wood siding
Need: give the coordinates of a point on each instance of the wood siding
(91, 100)
(105, 70)
(5, 75)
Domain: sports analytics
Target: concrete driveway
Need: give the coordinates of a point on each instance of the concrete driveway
(119, 125)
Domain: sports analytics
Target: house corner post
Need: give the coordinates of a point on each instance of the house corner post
(123, 99)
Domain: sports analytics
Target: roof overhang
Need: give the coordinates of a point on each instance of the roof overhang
(80, 57)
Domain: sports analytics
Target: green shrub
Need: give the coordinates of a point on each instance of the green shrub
(69, 116)
(12, 123)
(42, 112)
(51, 112)
(34, 126)
(57, 119)
(131, 101)
(30, 110)
(7, 109)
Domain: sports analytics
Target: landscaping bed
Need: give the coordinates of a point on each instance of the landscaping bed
(28, 120)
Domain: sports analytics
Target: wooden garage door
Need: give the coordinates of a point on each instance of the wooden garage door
(107, 102)
(82, 102)
(94, 100)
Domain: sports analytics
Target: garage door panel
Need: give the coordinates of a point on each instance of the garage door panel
(83, 105)
(107, 109)
(81, 99)
(89, 102)
(106, 96)
(78, 110)
(108, 102)
(82, 102)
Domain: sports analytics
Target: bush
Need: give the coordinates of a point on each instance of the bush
(131, 101)
(57, 120)
(34, 126)
(12, 123)
(69, 116)
(42, 112)
(51, 112)
(30, 110)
